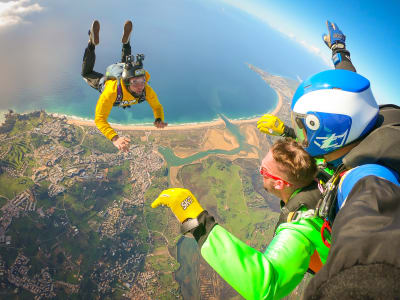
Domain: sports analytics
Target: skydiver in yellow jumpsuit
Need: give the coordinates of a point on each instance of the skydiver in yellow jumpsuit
(131, 88)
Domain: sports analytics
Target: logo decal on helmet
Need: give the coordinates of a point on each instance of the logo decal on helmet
(139, 72)
(332, 141)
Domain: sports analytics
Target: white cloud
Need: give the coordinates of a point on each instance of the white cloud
(13, 12)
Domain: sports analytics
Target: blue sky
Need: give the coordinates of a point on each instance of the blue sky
(371, 28)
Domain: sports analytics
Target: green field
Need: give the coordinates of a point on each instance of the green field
(11, 186)
(225, 192)
(100, 143)
(16, 157)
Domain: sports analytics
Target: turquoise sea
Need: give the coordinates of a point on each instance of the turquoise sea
(196, 53)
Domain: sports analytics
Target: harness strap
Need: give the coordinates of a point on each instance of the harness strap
(119, 95)
(297, 215)
(118, 102)
(326, 226)
(119, 91)
(315, 262)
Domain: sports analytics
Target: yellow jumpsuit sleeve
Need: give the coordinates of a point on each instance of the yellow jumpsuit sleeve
(155, 105)
(103, 109)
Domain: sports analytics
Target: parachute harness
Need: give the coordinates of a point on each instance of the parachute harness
(326, 205)
(123, 104)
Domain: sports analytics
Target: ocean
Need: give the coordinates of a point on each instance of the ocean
(196, 53)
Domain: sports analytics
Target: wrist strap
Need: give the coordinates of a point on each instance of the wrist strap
(188, 225)
(288, 132)
(338, 47)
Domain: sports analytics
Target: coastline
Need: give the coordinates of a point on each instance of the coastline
(132, 127)
(185, 126)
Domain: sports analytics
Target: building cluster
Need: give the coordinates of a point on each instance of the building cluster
(55, 189)
(60, 164)
(146, 162)
(147, 279)
(57, 128)
(2, 268)
(123, 270)
(108, 227)
(115, 223)
(13, 172)
(26, 200)
(68, 288)
(21, 203)
(40, 285)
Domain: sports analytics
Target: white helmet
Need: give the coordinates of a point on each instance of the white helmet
(331, 109)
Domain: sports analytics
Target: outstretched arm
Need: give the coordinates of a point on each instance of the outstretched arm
(255, 275)
(103, 109)
(158, 110)
(335, 40)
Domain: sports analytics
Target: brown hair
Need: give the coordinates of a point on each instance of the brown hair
(299, 167)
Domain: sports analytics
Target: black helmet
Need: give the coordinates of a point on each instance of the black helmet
(133, 69)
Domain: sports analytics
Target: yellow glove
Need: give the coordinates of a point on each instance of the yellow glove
(181, 201)
(271, 125)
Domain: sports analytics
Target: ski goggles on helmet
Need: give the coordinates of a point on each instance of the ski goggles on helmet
(137, 81)
(320, 133)
(298, 123)
(266, 174)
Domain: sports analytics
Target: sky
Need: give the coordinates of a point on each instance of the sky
(371, 28)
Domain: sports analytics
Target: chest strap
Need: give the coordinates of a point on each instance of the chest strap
(295, 216)
(118, 102)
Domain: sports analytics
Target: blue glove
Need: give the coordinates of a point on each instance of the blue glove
(335, 36)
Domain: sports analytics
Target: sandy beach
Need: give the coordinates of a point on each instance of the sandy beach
(133, 127)
(188, 126)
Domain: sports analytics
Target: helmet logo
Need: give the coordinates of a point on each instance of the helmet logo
(139, 72)
(332, 141)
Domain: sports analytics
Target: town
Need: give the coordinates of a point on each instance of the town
(61, 162)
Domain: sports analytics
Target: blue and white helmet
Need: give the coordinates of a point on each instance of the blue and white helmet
(332, 109)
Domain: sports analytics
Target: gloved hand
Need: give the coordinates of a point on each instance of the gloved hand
(159, 123)
(335, 36)
(122, 143)
(181, 201)
(271, 125)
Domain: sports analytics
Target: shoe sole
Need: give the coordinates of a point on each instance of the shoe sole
(127, 32)
(95, 31)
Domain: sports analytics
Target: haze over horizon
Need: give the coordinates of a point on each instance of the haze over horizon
(43, 43)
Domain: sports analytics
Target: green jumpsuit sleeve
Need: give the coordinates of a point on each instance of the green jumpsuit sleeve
(255, 275)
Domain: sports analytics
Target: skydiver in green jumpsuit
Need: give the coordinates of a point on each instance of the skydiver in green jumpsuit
(285, 170)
